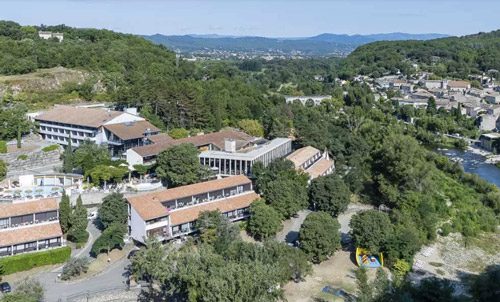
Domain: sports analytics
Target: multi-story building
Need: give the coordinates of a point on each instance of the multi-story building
(49, 35)
(29, 226)
(173, 212)
(119, 130)
(235, 161)
(312, 161)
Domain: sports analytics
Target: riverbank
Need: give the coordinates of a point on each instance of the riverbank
(476, 161)
(490, 158)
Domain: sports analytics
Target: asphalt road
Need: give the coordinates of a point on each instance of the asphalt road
(115, 276)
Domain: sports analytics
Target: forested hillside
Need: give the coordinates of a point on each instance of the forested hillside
(454, 56)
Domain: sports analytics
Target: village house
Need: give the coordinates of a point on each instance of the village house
(49, 35)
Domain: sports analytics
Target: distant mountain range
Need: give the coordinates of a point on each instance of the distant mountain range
(320, 45)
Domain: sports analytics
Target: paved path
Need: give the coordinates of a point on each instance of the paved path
(291, 227)
(113, 277)
(94, 233)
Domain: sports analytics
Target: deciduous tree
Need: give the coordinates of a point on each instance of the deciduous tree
(180, 165)
(329, 194)
(264, 221)
(319, 236)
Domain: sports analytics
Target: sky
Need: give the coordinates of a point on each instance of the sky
(270, 18)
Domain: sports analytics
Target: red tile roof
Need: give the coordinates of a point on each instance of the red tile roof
(90, 117)
(29, 234)
(28, 207)
(319, 167)
(131, 130)
(300, 156)
(189, 214)
(149, 206)
(216, 138)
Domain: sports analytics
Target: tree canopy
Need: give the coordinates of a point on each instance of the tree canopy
(329, 194)
(180, 165)
(319, 236)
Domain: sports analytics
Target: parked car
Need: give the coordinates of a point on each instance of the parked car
(5, 287)
(92, 215)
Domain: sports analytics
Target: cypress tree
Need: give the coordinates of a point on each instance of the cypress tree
(78, 230)
(68, 164)
(64, 213)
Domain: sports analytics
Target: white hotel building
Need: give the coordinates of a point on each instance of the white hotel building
(172, 213)
(29, 226)
(231, 161)
(119, 130)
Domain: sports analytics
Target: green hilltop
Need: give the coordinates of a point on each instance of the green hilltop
(454, 56)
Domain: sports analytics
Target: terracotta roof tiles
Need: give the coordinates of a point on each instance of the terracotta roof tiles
(28, 207)
(149, 206)
(300, 156)
(189, 214)
(90, 117)
(29, 234)
(132, 130)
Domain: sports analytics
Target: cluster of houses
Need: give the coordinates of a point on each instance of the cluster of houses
(166, 214)
(479, 103)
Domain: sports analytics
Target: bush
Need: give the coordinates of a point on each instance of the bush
(50, 148)
(3, 147)
(75, 267)
(446, 229)
(23, 262)
(22, 157)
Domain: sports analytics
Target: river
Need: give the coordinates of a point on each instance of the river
(475, 163)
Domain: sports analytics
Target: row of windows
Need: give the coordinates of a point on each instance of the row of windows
(59, 130)
(63, 139)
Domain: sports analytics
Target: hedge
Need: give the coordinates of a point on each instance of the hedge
(50, 148)
(23, 262)
(3, 147)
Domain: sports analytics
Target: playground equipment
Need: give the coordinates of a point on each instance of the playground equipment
(365, 259)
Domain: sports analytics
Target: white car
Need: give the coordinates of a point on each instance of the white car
(92, 215)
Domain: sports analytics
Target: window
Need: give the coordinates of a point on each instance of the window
(4, 223)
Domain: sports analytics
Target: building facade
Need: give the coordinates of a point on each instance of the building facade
(29, 226)
(234, 161)
(119, 130)
(172, 213)
(312, 161)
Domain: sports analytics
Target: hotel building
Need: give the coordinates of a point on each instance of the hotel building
(312, 161)
(173, 212)
(29, 226)
(119, 130)
(234, 161)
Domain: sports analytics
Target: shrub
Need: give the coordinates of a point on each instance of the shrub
(22, 157)
(75, 267)
(23, 262)
(3, 147)
(50, 148)
(446, 229)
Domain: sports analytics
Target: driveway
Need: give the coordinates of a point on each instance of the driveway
(114, 277)
(291, 227)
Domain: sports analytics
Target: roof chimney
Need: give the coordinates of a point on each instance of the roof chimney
(229, 145)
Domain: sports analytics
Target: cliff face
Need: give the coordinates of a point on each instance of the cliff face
(42, 80)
